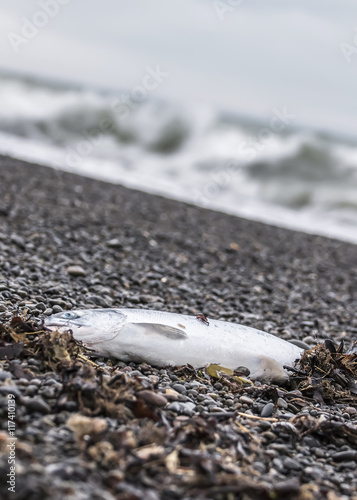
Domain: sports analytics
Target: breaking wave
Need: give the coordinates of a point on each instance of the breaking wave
(265, 170)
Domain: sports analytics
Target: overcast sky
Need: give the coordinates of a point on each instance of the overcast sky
(246, 56)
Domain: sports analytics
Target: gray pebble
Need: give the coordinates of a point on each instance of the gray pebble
(347, 465)
(48, 392)
(314, 472)
(259, 466)
(301, 344)
(286, 414)
(31, 390)
(342, 456)
(76, 271)
(278, 464)
(182, 408)
(37, 405)
(114, 243)
(319, 453)
(5, 374)
(307, 323)
(10, 389)
(179, 388)
(269, 436)
(292, 464)
(246, 400)
(309, 340)
(282, 403)
(18, 240)
(36, 381)
(267, 411)
(52, 381)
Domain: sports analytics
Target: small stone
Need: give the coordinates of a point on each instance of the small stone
(342, 456)
(212, 395)
(31, 390)
(259, 466)
(350, 410)
(184, 408)
(171, 395)
(57, 309)
(36, 381)
(153, 398)
(319, 453)
(286, 414)
(269, 436)
(278, 464)
(37, 405)
(314, 472)
(51, 381)
(114, 243)
(10, 389)
(292, 464)
(179, 388)
(48, 392)
(4, 375)
(267, 410)
(309, 340)
(307, 323)
(76, 271)
(18, 240)
(41, 306)
(246, 400)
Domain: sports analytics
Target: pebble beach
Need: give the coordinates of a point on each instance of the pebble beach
(89, 427)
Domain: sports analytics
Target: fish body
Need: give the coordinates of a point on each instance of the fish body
(162, 339)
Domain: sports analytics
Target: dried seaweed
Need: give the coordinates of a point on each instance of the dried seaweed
(23, 337)
(327, 375)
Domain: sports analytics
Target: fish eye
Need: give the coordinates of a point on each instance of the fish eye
(69, 315)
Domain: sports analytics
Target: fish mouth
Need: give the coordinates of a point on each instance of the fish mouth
(52, 324)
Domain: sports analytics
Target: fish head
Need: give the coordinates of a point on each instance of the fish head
(91, 326)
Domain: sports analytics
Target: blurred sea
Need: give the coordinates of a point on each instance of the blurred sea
(265, 169)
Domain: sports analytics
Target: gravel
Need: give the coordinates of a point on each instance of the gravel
(70, 242)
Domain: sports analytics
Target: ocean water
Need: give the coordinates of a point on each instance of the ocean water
(266, 169)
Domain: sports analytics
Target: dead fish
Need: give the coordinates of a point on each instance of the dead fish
(163, 339)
